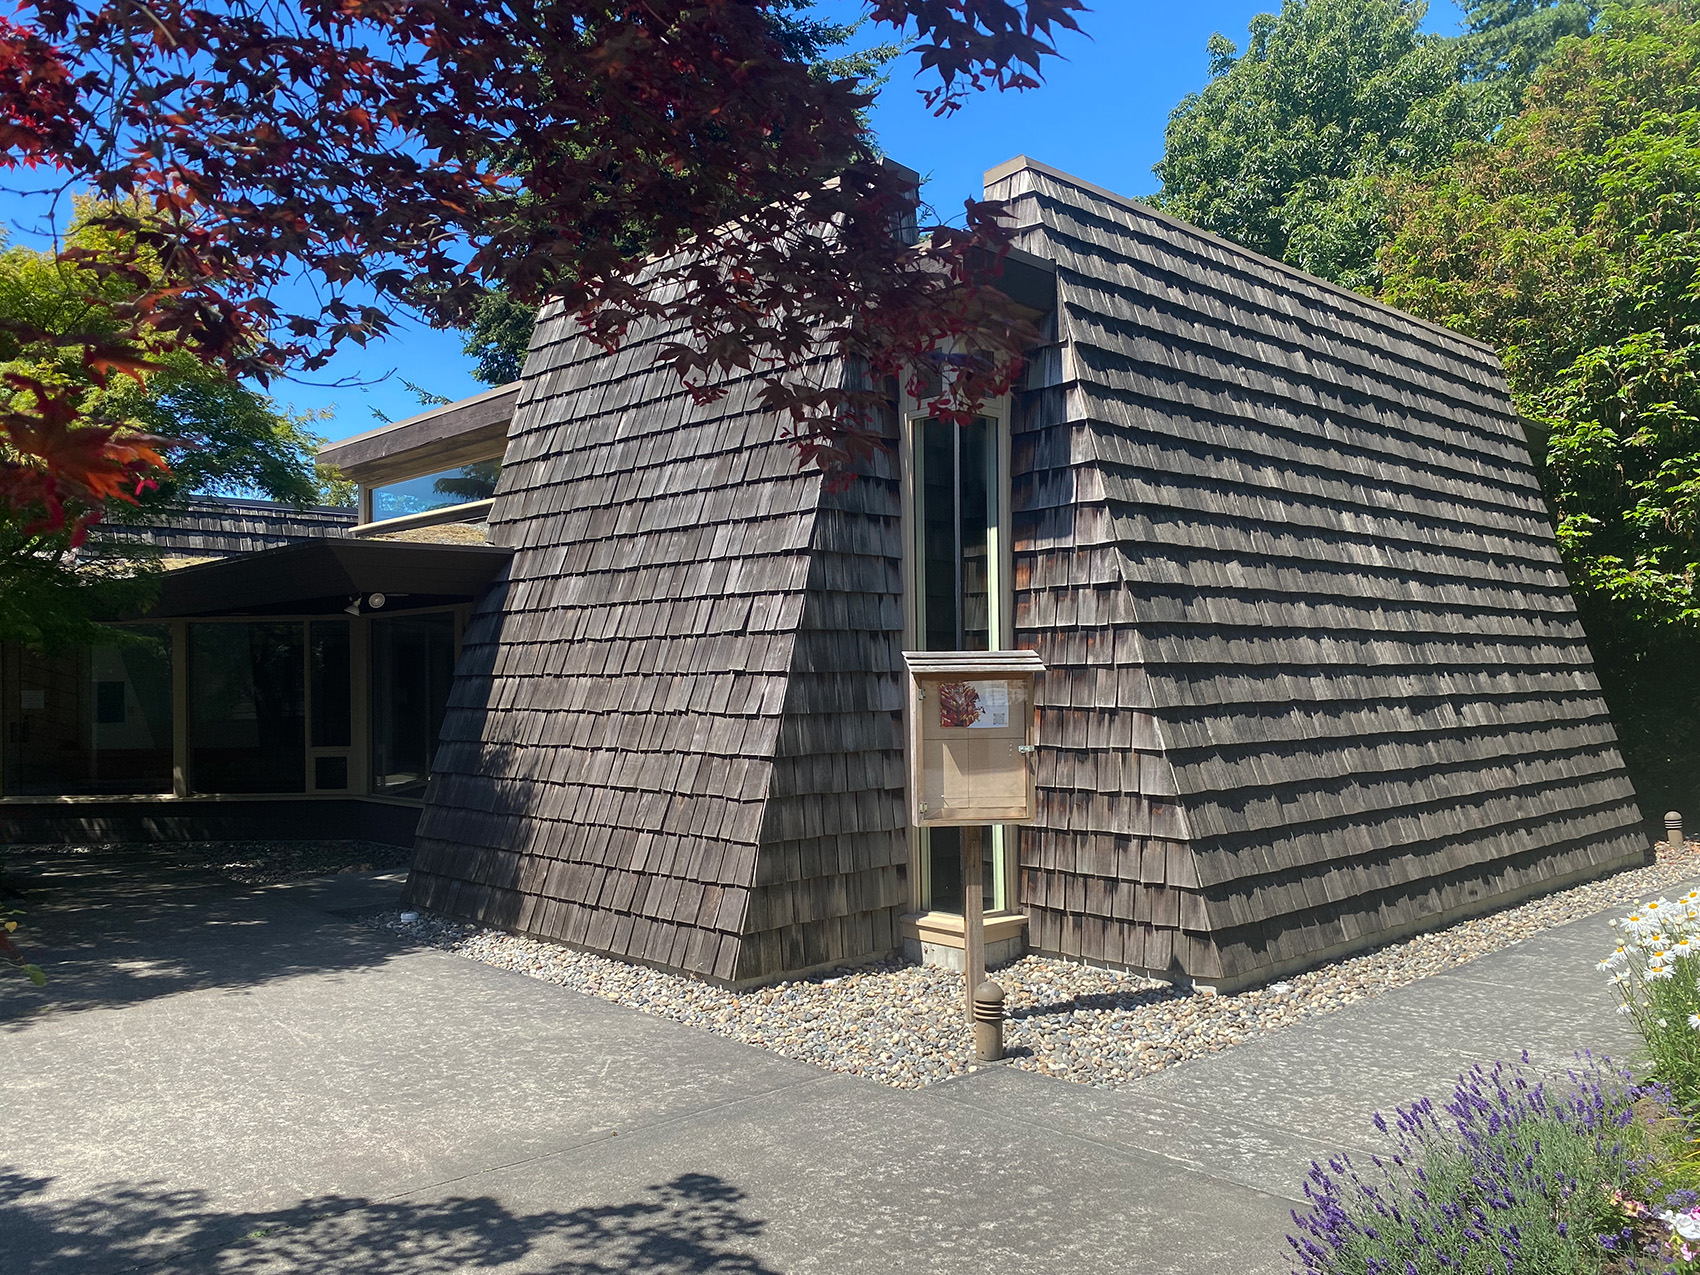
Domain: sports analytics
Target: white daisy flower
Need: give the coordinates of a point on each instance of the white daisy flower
(1623, 1009)
(1694, 1021)
(1660, 972)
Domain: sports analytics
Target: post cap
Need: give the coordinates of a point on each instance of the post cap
(1673, 818)
(988, 993)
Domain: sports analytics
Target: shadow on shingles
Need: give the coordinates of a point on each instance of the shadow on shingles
(694, 1223)
(112, 930)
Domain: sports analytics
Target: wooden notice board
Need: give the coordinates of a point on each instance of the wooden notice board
(972, 730)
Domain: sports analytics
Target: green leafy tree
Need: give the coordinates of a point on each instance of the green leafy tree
(1289, 149)
(1573, 246)
(218, 436)
(1284, 150)
(1507, 41)
(499, 336)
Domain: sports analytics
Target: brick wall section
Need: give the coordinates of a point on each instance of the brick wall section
(1286, 553)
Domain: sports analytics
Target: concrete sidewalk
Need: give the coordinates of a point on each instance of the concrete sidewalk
(222, 1079)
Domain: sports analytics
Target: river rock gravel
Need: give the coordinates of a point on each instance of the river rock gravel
(903, 1025)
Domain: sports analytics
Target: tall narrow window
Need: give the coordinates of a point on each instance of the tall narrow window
(956, 501)
(413, 662)
(329, 686)
(959, 580)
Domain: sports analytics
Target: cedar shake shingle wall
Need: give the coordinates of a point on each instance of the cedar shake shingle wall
(830, 874)
(206, 526)
(1315, 674)
(674, 720)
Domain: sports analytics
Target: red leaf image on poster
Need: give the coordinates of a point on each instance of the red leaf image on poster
(959, 704)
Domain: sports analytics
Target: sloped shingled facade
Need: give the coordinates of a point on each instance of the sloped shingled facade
(1286, 548)
(1315, 675)
(674, 733)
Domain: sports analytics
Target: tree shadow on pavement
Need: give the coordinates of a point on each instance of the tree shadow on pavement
(116, 929)
(694, 1223)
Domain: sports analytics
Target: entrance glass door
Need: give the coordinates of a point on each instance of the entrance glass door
(960, 564)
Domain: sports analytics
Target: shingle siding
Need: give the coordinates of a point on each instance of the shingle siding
(1286, 548)
(1314, 676)
(210, 527)
(674, 732)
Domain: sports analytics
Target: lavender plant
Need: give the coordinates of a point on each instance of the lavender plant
(1655, 972)
(1510, 1176)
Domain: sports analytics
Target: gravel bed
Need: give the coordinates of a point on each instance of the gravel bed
(246, 862)
(903, 1025)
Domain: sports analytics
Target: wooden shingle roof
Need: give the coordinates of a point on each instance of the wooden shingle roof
(668, 737)
(221, 527)
(1288, 546)
(1314, 677)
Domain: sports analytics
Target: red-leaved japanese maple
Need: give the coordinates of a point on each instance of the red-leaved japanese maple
(412, 153)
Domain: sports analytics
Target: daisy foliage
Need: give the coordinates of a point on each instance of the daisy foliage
(1654, 971)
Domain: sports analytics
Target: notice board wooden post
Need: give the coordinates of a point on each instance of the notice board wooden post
(973, 735)
(973, 915)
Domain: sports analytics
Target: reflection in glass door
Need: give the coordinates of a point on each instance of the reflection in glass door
(247, 708)
(959, 584)
(413, 662)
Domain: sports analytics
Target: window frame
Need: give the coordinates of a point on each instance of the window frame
(1001, 624)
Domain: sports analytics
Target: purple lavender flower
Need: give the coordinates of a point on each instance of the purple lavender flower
(1484, 1182)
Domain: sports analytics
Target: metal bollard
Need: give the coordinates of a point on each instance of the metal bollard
(1673, 828)
(988, 1021)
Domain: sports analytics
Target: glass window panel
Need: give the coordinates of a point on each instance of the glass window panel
(956, 497)
(329, 670)
(476, 481)
(944, 867)
(957, 486)
(247, 708)
(936, 517)
(330, 774)
(412, 666)
(979, 514)
(90, 720)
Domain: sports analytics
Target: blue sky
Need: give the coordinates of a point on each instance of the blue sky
(1100, 116)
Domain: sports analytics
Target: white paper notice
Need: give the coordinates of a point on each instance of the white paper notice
(994, 705)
